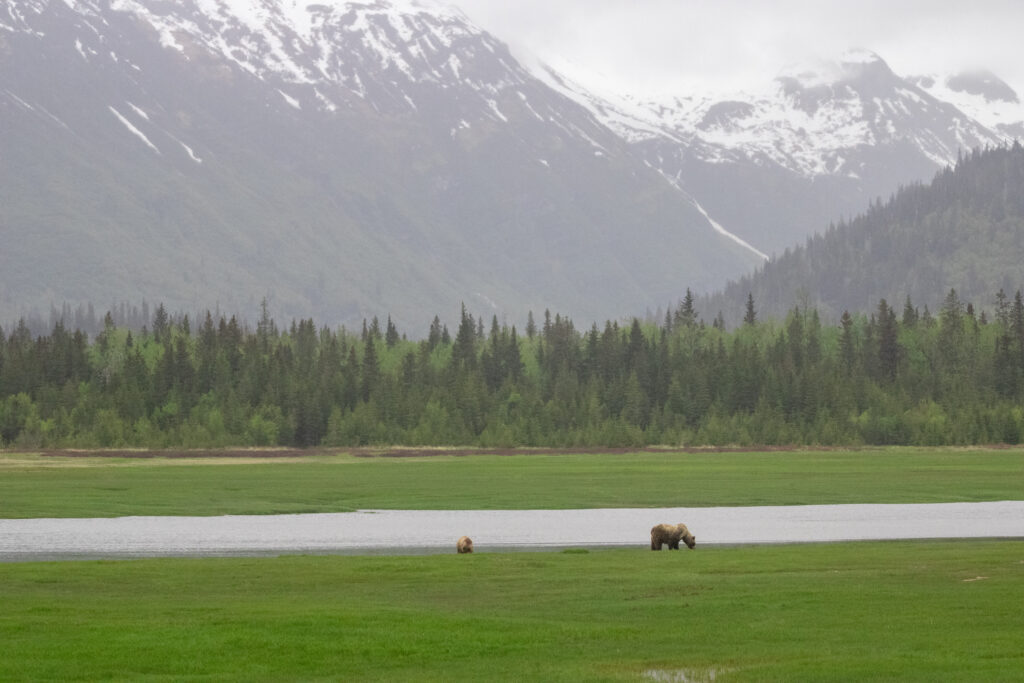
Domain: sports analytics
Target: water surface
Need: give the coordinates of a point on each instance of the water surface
(417, 531)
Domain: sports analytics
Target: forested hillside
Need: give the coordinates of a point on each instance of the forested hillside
(964, 231)
(894, 376)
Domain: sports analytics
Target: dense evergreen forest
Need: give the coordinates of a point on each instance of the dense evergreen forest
(964, 230)
(889, 377)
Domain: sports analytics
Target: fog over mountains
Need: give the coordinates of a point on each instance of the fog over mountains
(816, 144)
(352, 159)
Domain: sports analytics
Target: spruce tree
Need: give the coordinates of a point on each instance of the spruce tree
(847, 351)
(889, 349)
(464, 350)
(434, 336)
(265, 328)
(910, 314)
(370, 370)
(750, 317)
(391, 335)
(685, 314)
(161, 324)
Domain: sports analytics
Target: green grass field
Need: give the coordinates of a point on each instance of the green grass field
(882, 611)
(36, 486)
(867, 611)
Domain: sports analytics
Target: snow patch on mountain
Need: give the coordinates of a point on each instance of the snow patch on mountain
(298, 41)
(135, 131)
(188, 150)
(139, 111)
(19, 101)
(497, 112)
(990, 101)
(37, 109)
(292, 102)
(722, 231)
(19, 16)
(630, 118)
(675, 181)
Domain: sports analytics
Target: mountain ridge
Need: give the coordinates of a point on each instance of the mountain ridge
(818, 143)
(351, 159)
(406, 196)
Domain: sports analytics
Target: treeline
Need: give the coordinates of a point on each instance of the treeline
(890, 377)
(83, 317)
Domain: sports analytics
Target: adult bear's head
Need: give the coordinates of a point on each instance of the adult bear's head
(689, 539)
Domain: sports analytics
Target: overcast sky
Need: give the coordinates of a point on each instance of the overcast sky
(663, 45)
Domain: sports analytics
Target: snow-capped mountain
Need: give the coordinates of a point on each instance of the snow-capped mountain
(345, 159)
(386, 55)
(394, 57)
(352, 158)
(820, 141)
(981, 95)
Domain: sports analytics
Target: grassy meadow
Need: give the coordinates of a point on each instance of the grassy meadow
(880, 611)
(916, 610)
(33, 485)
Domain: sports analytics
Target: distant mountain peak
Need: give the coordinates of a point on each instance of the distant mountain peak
(294, 39)
(389, 55)
(851, 65)
(815, 119)
(981, 95)
(833, 132)
(984, 84)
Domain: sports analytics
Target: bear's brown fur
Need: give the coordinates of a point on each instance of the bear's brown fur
(671, 534)
(464, 545)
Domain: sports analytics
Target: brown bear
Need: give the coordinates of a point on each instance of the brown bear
(671, 534)
(465, 545)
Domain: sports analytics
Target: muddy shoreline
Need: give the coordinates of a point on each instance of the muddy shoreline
(270, 453)
(428, 452)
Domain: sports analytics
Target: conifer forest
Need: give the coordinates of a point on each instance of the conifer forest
(898, 375)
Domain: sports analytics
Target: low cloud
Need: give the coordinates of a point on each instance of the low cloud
(667, 44)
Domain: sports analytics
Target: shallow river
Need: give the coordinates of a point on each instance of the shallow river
(419, 531)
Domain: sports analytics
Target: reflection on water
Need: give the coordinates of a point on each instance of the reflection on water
(431, 531)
